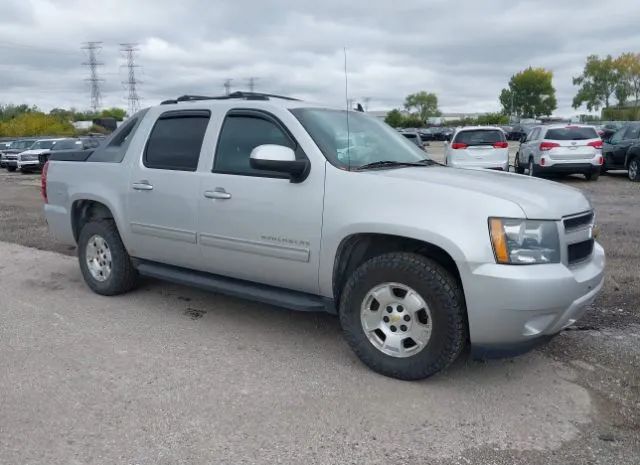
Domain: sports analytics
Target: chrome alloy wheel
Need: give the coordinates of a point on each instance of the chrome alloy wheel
(98, 257)
(396, 320)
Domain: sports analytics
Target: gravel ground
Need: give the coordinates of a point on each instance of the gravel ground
(169, 374)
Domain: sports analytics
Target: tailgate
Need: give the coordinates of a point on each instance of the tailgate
(572, 150)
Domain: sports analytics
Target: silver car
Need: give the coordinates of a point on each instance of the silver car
(300, 206)
(478, 147)
(563, 149)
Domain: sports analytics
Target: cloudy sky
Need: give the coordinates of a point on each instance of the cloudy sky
(464, 51)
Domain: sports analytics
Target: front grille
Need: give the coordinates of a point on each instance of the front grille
(580, 251)
(578, 222)
(10, 157)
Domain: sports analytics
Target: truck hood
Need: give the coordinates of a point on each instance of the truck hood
(538, 198)
(34, 152)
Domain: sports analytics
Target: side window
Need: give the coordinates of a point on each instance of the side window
(176, 140)
(240, 134)
(617, 137)
(533, 135)
(633, 132)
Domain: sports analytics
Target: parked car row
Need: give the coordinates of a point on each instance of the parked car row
(435, 133)
(580, 149)
(28, 155)
(548, 149)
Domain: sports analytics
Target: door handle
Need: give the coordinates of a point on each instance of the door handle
(219, 193)
(142, 186)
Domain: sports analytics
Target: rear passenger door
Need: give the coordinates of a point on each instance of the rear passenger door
(163, 190)
(629, 138)
(260, 226)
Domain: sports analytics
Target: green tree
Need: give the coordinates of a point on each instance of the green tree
(597, 82)
(412, 121)
(117, 113)
(491, 119)
(530, 94)
(424, 103)
(11, 111)
(628, 68)
(35, 123)
(394, 118)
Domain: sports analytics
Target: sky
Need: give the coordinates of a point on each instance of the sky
(464, 51)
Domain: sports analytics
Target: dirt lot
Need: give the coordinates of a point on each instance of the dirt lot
(172, 375)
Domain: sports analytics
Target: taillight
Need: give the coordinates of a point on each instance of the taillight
(600, 160)
(543, 162)
(43, 182)
(545, 146)
(501, 145)
(596, 144)
(458, 145)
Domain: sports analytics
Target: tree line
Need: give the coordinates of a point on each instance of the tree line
(24, 120)
(530, 94)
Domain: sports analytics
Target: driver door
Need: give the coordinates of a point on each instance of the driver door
(258, 225)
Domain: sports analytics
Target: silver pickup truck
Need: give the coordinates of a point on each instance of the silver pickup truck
(312, 208)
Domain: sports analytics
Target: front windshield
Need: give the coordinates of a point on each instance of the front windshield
(22, 144)
(42, 144)
(367, 139)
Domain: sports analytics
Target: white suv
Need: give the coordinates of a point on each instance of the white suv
(566, 149)
(478, 147)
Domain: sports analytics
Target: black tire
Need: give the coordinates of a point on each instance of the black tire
(11, 169)
(438, 289)
(592, 175)
(123, 275)
(532, 168)
(516, 164)
(634, 170)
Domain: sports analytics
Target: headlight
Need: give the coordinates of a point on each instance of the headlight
(524, 242)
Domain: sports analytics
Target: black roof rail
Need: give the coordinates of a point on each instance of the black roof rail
(233, 95)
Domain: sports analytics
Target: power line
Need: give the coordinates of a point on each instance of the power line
(133, 99)
(93, 48)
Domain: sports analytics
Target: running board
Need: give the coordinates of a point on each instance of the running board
(271, 295)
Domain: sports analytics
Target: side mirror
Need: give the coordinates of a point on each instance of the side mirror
(281, 159)
(523, 138)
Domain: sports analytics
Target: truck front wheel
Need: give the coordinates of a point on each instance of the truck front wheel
(403, 315)
(104, 261)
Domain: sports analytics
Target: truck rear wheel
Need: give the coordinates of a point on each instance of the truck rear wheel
(403, 315)
(104, 261)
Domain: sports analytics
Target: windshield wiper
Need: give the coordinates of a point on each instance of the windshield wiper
(392, 163)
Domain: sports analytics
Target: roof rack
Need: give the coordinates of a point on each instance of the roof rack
(233, 95)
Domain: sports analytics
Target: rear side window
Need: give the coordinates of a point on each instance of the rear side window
(571, 133)
(633, 132)
(480, 137)
(240, 134)
(176, 140)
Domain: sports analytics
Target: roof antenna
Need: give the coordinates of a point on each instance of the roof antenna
(346, 98)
